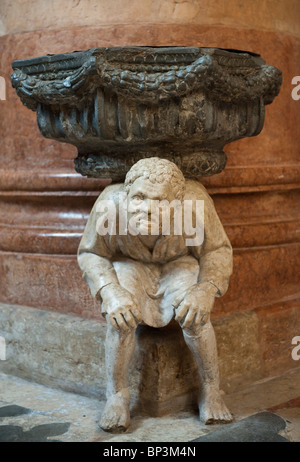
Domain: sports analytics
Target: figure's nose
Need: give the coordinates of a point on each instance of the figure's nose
(145, 206)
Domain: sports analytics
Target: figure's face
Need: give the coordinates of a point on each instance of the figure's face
(142, 200)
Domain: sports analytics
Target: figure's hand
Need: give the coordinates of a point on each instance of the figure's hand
(195, 306)
(122, 311)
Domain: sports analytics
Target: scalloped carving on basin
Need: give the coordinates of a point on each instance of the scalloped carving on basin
(117, 105)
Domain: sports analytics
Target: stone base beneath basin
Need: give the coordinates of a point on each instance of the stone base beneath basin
(67, 352)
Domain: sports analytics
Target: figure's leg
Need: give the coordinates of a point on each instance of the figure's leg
(119, 347)
(202, 344)
(175, 281)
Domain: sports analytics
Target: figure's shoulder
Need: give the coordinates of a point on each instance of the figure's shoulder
(196, 191)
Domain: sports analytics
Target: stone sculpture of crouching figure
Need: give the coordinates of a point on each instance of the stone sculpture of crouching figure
(142, 278)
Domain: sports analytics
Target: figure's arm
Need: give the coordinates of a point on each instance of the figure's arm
(94, 257)
(215, 268)
(216, 253)
(95, 254)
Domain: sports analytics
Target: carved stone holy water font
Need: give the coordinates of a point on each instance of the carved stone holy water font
(154, 120)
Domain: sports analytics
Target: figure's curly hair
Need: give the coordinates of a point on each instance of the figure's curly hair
(157, 170)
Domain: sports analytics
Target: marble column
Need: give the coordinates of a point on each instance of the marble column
(256, 196)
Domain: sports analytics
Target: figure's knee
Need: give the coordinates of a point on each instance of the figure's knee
(128, 272)
(117, 332)
(196, 330)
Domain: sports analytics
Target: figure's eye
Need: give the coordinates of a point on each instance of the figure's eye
(138, 197)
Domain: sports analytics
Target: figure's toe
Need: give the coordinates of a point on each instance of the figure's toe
(212, 410)
(114, 424)
(116, 416)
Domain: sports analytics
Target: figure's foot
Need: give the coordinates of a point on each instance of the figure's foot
(116, 415)
(212, 409)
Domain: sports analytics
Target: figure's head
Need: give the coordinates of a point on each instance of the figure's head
(162, 173)
(149, 181)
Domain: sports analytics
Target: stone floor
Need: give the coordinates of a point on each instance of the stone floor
(266, 411)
